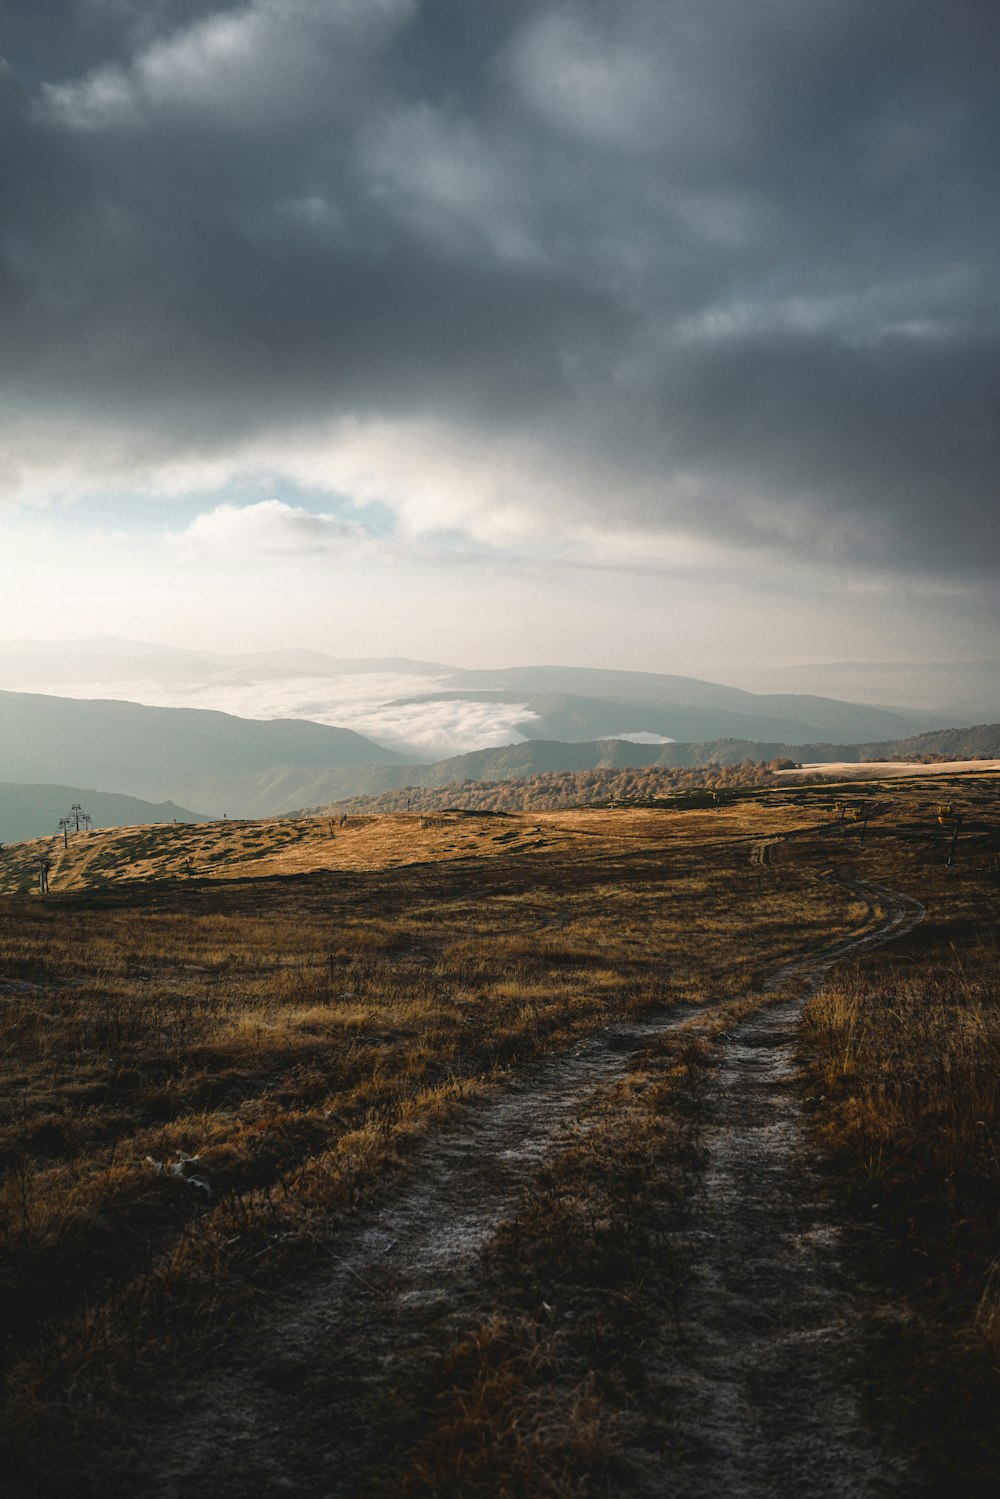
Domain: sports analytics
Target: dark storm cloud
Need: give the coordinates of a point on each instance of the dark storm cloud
(743, 254)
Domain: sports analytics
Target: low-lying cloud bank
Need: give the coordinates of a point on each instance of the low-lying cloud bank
(426, 731)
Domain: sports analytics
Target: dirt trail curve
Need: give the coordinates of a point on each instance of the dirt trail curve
(759, 1322)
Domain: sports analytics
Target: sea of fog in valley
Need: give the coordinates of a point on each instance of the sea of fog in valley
(383, 706)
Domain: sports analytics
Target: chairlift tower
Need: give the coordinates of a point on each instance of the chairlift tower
(949, 818)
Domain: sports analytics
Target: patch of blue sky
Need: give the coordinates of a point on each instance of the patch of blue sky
(140, 513)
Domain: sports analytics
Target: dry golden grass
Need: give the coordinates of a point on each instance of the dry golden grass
(512, 1423)
(257, 849)
(543, 1395)
(849, 770)
(906, 1071)
(297, 1034)
(240, 850)
(912, 1061)
(903, 1059)
(299, 1019)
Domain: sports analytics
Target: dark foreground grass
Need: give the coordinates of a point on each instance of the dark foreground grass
(203, 1082)
(555, 1390)
(903, 1061)
(909, 1071)
(296, 1037)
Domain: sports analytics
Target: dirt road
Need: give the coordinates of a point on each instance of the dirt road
(763, 1377)
(760, 1375)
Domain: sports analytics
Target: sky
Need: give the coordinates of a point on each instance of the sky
(653, 335)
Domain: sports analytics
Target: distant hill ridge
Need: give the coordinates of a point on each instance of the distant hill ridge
(32, 811)
(221, 763)
(160, 752)
(555, 702)
(573, 717)
(522, 761)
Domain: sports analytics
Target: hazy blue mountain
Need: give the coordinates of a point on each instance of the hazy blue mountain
(427, 711)
(288, 788)
(980, 739)
(534, 757)
(983, 739)
(720, 709)
(105, 659)
(957, 691)
(606, 682)
(159, 752)
(29, 811)
(570, 716)
(321, 664)
(512, 761)
(572, 702)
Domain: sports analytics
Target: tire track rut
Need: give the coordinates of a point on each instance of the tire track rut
(764, 1382)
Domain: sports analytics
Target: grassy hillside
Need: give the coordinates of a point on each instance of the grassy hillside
(214, 1087)
(239, 850)
(288, 789)
(980, 740)
(34, 811)
(157, 752)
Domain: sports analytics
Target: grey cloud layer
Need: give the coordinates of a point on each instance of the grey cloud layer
(742, 254)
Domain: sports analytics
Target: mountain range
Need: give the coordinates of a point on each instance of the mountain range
(426, 711)
(160, 752)
(393, 718)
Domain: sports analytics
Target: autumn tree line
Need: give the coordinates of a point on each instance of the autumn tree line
(557, 790)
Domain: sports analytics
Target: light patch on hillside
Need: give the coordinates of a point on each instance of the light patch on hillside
(869, 770)
(640, 736)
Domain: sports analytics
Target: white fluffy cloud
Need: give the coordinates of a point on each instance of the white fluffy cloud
(265, 529)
